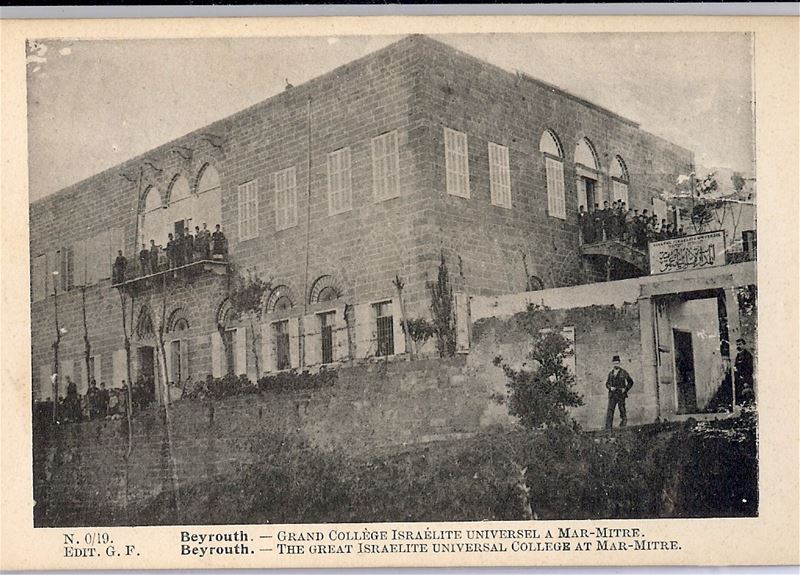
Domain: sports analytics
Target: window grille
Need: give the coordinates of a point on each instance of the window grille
(385, 328)
(230, 352)
(326, 321)
(282, 356)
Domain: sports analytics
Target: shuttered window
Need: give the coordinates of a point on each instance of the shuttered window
(556, 202)
(285, 199)
(385, 166)
(248, 210)
(499, 175)
(39, 281)
(456, 163)
(339, 181)
(620, 191)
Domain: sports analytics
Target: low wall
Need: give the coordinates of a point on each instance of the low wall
(80, 468)
(601, 331)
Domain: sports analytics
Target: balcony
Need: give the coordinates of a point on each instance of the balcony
(186, 272)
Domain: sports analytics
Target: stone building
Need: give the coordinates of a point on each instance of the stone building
(330, 190)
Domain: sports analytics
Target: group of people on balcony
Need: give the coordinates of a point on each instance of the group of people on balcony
(101, 402)
(617, 222)
(183, 249)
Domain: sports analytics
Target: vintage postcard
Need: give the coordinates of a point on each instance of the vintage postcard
(399, 292)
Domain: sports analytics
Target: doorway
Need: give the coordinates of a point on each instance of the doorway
(684, 372)
(587, 193)
(147, 368)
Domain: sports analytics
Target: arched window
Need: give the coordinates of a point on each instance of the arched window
(585, 155)
(181, 205)
(551, 149)
(587, 180)
(324, 288)
(619, 180)
(279, 300)
(151, 217)
(208, 208)
(178, 347)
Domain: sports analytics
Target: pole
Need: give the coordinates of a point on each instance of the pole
(308, 229)
(56, 343)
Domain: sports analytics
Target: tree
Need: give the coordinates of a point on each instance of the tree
(540, 396)
(443, 311)
(701, 214)
(246, 293)
(738, 182)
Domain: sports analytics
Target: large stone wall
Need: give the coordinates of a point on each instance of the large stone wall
(372, 408)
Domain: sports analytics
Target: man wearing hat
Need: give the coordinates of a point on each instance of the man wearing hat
(618, 383)
(743, 371)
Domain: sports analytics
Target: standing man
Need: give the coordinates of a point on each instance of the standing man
(153, 257)
(618, 383)
(218, 244)
(120, 267)
(188, 245)
(144, 261)
(743, 372)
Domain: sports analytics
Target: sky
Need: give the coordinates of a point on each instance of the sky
(93, 104)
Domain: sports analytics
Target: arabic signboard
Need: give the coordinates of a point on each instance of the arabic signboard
(688, 253)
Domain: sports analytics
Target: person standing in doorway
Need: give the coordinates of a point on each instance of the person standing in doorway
(743, 372)
(619, 383)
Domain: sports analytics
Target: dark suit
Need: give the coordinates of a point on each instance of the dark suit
(618, 383)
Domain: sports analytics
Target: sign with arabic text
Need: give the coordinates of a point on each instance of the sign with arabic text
(688, 253)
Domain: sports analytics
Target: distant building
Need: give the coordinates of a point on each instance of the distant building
(330, 190)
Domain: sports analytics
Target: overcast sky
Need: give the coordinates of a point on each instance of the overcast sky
(95, 104)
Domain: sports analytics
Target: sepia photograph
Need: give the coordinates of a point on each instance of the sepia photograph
(417, 278)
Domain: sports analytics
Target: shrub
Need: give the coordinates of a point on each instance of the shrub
(221, 387)
(540, 396)
(292, 380)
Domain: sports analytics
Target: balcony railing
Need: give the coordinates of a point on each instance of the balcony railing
(186, 271)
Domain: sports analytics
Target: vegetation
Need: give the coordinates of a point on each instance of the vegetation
(443, 311)
(665, 470)
(539, 396)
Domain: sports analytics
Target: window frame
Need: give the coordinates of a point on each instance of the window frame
(247, 194)
(388, 346)
(456, 163)
(556, 192)
(340, 181)
(499, 175)
(290, 199)
(385, 166)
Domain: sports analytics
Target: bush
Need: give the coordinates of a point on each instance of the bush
(540, 396)
(221, 387)
(292, 380)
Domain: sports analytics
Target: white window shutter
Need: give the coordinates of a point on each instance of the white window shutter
(580, 185)
(268, 363)
(119, 366)
(184, 360)
(340, 338)
(216, 354)
(168, 350)
(397, 328)
(294, 342)
(311, 340)
(462, 321)
(365, 330)
(240, 351)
